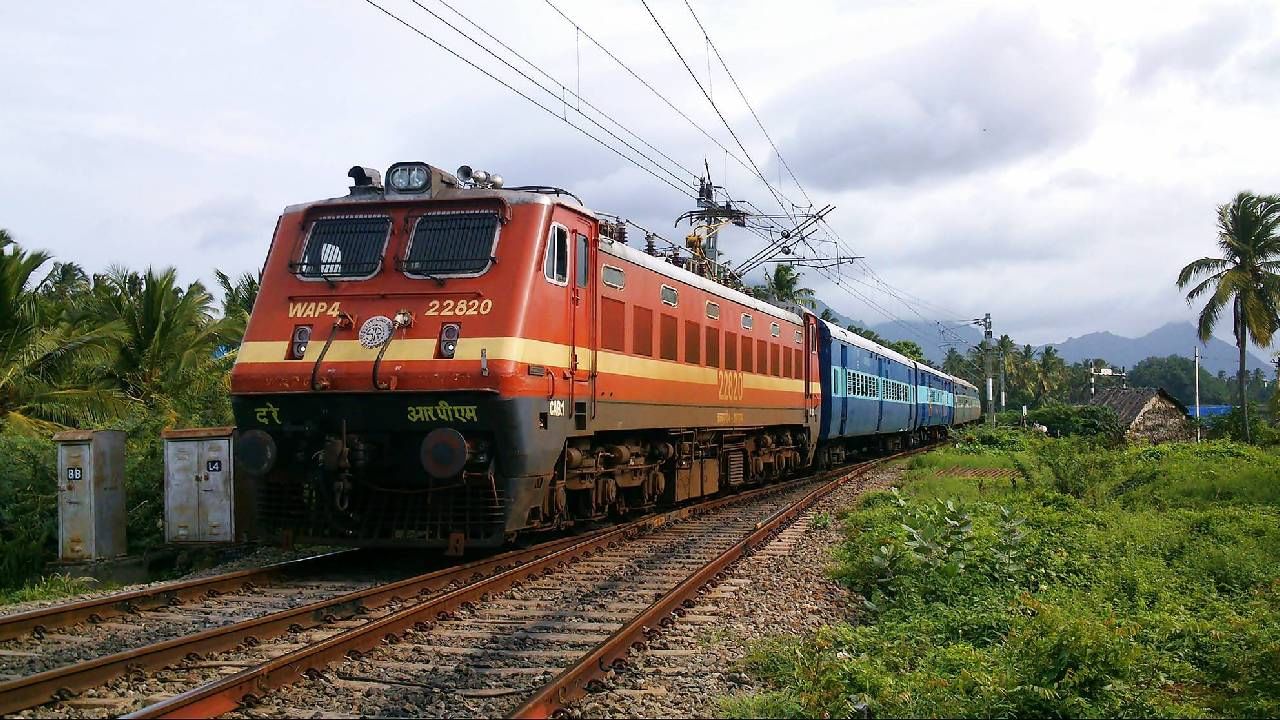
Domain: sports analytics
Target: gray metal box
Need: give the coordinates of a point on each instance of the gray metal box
(199, 488)
(91, 504)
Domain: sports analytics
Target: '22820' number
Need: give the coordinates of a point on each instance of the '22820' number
(459, 307)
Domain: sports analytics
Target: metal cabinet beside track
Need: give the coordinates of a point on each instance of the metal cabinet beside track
(199, 489)
(91, 507)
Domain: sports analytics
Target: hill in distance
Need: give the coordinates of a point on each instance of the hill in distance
(1175, 338)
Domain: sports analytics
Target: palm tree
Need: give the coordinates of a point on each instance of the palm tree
(39, 387)
(783, 286)
(1049, 375)
(168, 331)
(1247, 277)
(238, 297)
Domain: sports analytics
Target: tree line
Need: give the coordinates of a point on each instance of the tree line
(81, 350)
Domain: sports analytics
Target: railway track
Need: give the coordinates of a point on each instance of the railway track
(526, 631)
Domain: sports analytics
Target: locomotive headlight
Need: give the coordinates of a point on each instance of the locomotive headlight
(449, 334)
(298, 342)
(409, 177)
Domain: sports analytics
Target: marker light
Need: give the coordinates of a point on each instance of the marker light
(298, 342)
(449, 334)
(409, 177)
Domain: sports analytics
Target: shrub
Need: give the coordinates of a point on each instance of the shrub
(1088, 420)
(28, 507)
(1130, 582)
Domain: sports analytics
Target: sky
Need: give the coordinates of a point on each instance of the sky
(1053, 164)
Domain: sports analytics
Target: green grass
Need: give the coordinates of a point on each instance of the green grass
(51, 587)
(1109, 581)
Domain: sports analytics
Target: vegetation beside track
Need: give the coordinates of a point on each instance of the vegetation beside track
(1016, 575)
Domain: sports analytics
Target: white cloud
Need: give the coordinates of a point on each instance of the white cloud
(1054, 166)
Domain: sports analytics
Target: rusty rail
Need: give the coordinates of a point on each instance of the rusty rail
(574, 682)
(226, 694)
(125, 603)
(63, 682)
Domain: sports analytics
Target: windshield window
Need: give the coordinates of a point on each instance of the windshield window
(452, 243)
(344, 247)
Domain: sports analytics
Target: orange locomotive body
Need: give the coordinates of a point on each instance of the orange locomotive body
(447, 364)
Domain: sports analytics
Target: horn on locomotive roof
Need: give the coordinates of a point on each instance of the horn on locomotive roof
(479, 178)
(365, 177)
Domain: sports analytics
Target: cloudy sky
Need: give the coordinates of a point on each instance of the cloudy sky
(1052, 165)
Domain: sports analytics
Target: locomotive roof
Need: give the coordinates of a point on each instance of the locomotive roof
(662, 267)
(512, 197)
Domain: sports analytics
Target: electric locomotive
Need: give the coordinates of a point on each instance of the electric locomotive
(442, 361)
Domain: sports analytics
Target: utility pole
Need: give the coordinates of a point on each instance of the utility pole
(988, 358)
(1095, 371)
(1197, 351)
(1002, 387)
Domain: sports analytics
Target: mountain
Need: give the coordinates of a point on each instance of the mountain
(1175, 338)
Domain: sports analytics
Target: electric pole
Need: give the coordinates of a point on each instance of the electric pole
(1002, 387)
(988, 360)
(1197, 351)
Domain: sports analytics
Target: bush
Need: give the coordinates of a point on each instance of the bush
(1128, 582)
(1089, 420)
(28, 507)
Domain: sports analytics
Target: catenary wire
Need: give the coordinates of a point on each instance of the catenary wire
(517, 91)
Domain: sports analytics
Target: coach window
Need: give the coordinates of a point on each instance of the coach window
(613, 324)
(614, 277)
(799, 338)
(642, 338)
(556, 266)
(747, 322)
(692, 342)
(582, 266)
(713, 347)
(669, 296)
(668, 337)
(713, 310)
(774, 330)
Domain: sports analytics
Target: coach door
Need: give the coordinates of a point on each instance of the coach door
(582, 296)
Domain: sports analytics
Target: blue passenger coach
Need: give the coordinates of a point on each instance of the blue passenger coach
(874, 398)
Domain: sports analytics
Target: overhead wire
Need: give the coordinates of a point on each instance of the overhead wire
(716, 108)
(551, 92)
(711, 43)
(526, 96)
(562, 86)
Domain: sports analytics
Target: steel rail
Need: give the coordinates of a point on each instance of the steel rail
(173, 593)
(226, 694)
(575, 681)
(63, 682)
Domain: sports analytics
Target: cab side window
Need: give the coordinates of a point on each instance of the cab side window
(556, 266)
(583, 265)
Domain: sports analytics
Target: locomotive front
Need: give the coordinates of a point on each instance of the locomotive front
(392, 340)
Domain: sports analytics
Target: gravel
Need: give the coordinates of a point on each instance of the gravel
(782, 589)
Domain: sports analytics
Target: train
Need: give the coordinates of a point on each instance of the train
(440, 361)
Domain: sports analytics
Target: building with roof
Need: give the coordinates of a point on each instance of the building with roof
(1150, 414)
